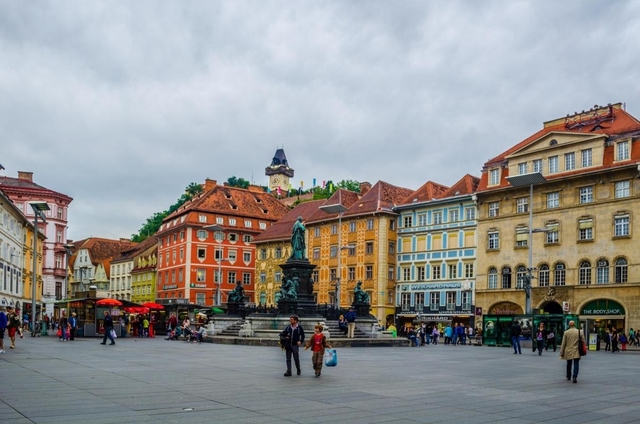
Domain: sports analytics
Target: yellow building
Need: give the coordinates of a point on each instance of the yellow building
(143, 273)
(366, 250)
(583, 171)
(27, 274)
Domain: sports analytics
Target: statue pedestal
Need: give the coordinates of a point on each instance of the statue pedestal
(362, 309)
(305, 303)
(235, 308)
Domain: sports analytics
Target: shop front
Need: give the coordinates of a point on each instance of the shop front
(599, 316)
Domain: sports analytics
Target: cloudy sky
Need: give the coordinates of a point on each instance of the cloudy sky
(122, 104)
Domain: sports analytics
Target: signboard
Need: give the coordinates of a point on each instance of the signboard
(478, 310)
(173, 286)
(593, 341)
(436, 286)
(506, 308)
(199, 285)
(602, 307)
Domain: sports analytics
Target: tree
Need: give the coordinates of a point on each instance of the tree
(237, 182)
(155, 221)
(330, 188)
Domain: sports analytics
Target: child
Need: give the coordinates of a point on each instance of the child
(623, 342)
(317, 343)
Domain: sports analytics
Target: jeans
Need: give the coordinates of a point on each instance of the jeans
(428, 338)
(295, 351)
(107, 333)
(414, 339)
(576, 367)
(454, 339)
(515, 342)
(540, 346)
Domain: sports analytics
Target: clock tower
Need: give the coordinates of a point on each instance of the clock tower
(279, 172)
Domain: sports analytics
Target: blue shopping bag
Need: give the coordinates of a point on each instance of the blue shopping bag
(330, 357)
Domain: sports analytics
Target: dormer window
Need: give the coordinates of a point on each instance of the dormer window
(494, 176)
(232, 221)
(622, 150)
(553, 142)
(227, 195)
(247, 223)
(202, 218)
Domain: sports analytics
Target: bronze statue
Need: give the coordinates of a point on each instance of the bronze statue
(237, 295)
(360, 296)
(289, 289)
(297, 240)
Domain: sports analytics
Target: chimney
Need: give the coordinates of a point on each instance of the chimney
(27, 176)
(364, 187)
(209, 184)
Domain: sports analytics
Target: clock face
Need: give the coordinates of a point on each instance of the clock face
(276, 180)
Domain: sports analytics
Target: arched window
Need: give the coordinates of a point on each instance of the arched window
(621, 270)
(543, 275)
(506, 277)
(493, 278)
(584, 276)
(521, 272)
(560, 272)
(602, 272)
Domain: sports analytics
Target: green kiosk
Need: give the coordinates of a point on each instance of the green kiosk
(496, 329)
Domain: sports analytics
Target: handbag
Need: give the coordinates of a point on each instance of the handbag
(113, 334)
(582, 348)
(330, 357)
(550, 336)
(59, 332)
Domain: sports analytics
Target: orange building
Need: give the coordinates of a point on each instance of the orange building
(206, 245)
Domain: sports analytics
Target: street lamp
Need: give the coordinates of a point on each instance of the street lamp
(38, 208)
(218, 235)
(531, 179)
(339, 209)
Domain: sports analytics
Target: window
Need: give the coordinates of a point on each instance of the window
(553, 200)
(522, 236)
(200, 298)
(351, 274)
(202, 252)
(407, 220)
(419, 300)
(560, 274)
(390, 274)
(621, 270)
(451, 301)
(246, 278)
(521, 274)
(420, 270)
(333, 251)
(569, 161)
(175, 238)
(553, 233)
(453, 216)
(437, 272)
(352, 227)
(233, 237)
(406, 274)
(553, 164)
(434, 301)
(586, 194)
(522, 205)
(181, 254)
(202, 218)
(332, 274)
(437, 218)
(493, 278)
(368, 272)
(468, 270)
(392, 247)
(587, 158)
(537, 165)
(494, 176)
(621, 226)
(201, 275)
(59, 236)
(278, 252)
(263, 225)
(522, 168)
(470, 214)
(494, 241)
(422, 219)
(351, 250)
(217, 276)
(220, 220)
(585, 229)
(247, 223)
(232, 255)
(370, 224)
(231, 277)
(246, 256)
(368, 248)
(602, 272)
(263, 254)
(316, 253)
(334, 229)
(453, 271)
(622, 151)
(181, 235)
(218, 254)
(466, 300)
(392, 226)
(494, 209)
(263, 277)
(584, 273)
(506, 277)
(232, 221)
(317, 231)
(622, 189)
(247, 238)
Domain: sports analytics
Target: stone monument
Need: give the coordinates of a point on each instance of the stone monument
(361, 300)
(296, 291)
(235, 301)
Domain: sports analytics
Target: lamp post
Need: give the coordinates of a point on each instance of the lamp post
(531, 179)
(339, 209)
(38, 208)
(218, 235)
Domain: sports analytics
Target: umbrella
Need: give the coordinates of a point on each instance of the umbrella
(109, 302)
(152, 305)
(136, 310)
(217, 311)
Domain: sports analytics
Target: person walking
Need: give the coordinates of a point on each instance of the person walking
(539, 338)
(351, 323)
(3, 326)
(551, 340)
(293, 336)
(317, 343)
(448, 332)
(13, 326)
(607, 340)
(569, 350)
(62, 326)
(73, 322)
(435, 335)
(516, 330)
(423, 334)
(614, 341)
(108, 326)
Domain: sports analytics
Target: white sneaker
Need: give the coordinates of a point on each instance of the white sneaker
(1, 351)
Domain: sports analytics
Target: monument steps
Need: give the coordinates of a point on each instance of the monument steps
(233, 330)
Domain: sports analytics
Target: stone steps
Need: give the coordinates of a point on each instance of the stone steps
(233, 330)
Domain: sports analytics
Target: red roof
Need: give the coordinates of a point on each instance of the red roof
(281, 230)
(428, 191)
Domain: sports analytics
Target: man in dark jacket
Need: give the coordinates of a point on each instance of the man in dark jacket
(293, 337)
(515, 337)
(108, 326)
(351, 323)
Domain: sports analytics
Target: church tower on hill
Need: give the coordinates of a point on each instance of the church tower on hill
(279, 172)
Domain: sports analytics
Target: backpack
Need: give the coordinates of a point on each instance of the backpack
(285, 338)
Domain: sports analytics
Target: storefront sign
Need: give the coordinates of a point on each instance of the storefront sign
(437, 286)
(602, 307)
(505, 308)
(199, 285)
(174, 286)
